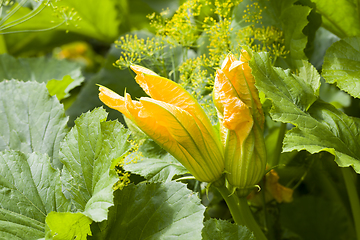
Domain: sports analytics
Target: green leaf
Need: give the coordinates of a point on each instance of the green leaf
(153, 211)
(153, 163)
(31, 120)
(58, 87)
(340, 17)
(342, 65)
(101, 23)
(319, 125)
(68, 225)
(87, 154)
(29, 189)
(215, 229)
(41, 69)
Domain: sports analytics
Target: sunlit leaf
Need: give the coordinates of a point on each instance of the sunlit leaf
(29, 189)
(30, 119)
(153, 211)
(68, 225)
(319, 125)
(87, 153)
(340, 17)
(342, 65)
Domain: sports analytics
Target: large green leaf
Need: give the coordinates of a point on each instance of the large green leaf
(153, 211)
(340, 17)
(151, 162)
(31, 120)
(68, 226)
(319, 125)
(87, 154)
(342, 65)
(29, 189)
(215, 229)
(41, 69)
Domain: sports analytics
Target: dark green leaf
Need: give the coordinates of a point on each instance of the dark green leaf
(342, 65)
(153, 211)
(31, 120)
(29, 189)
(87, 154)
(223, 230)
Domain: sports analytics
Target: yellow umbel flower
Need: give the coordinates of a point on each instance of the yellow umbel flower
(241, 120)
(174, 120)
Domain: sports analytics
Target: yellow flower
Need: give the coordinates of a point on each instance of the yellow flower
(173, 119)
(241, 122)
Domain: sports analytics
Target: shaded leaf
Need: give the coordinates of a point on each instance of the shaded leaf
(342, 65)
(29, 189)
(40, 69)
(306, 217)
(153, 211)
(30, 119)
(87, 154)
(217, 229)
(319, 125)
(153, 163)
(68, 225)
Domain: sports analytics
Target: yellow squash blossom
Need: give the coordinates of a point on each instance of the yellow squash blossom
(241, 121)
(174, 120)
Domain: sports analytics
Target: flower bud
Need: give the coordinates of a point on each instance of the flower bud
(241, 122)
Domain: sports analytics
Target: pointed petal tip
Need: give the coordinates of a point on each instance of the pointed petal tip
(142, 70)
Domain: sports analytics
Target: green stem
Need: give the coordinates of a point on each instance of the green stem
(353, 197)
(279, 143)
(241, 212)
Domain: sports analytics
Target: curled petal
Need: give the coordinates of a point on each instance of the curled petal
(236, 115)
(113, 100)
(239, 74)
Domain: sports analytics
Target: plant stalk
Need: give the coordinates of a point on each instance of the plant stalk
(353, 198)
(241, 212)
(279, 144)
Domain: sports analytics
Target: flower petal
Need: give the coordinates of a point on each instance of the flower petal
(236, 114)
(167, 91)
(177, 132)
(239, 74)
(113, 100)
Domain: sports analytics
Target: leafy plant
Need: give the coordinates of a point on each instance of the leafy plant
(243, 120)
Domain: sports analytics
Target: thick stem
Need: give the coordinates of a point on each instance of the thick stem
(241, 212)
(353, 197)
(278, 147)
